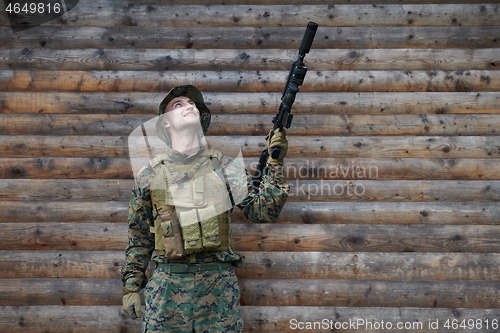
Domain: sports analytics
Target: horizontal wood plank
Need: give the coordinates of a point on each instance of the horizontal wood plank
(394, 190)
(388, 168)
(247, 125)
(65, 318)
(359, 293)
(255, 103)
(59, 211)
(295, 168)
(244, 81)
(137, 37)
(369, 238)
(262, 319)
(61, 264)
(63, 146)
(269, 265)
(66, 236)
(426, 213)
(66, 190)
(299, 146)
(268, 237)
(246, 60)
(101, 13)
(358, 190)
(355, 146)
(65, 168)
(368, 265)
(52, 124)
(259, 292)
(366, 319)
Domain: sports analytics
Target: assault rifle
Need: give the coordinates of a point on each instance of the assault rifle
(283, 118)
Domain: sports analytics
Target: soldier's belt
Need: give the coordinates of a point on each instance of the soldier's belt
(177, 268)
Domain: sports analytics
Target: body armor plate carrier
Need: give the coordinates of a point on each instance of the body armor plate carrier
(191, 206)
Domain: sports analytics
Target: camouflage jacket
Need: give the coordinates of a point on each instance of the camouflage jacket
(263, 205)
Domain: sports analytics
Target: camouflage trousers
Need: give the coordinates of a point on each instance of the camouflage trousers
(192, 302)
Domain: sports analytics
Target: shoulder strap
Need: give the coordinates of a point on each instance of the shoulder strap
(156, 160)
(174, 172)
(216, 153)
(215, 158)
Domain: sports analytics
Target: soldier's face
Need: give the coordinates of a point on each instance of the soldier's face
(181, 112)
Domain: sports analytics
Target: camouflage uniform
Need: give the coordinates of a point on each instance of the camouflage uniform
(206, 301)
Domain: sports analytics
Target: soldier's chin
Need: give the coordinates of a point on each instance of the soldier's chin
(192, 116)
(194, 123)
(193, 120)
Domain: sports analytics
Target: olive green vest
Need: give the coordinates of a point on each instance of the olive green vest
(191, 206)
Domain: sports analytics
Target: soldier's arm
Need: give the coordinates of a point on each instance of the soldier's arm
(264, 204)
(140, 241)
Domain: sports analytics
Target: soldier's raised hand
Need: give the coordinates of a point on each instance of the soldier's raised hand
(277, 138)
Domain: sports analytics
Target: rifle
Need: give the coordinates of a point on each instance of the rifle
(283, 119)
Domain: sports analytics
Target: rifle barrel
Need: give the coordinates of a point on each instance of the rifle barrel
(308, 38)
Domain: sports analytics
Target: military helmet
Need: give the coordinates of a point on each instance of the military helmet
(195, 95)
(190, 92)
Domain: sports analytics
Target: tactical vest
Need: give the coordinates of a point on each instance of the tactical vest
(191, 206)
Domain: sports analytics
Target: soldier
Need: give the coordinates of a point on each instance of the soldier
(180, 207)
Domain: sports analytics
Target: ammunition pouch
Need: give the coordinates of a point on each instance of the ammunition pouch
(175, 239)
(168, 236)
(211, 233)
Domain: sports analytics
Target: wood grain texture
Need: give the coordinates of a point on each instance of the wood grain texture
(70, 211)
(265, 81)
(393, 191)
(63, 146)
(109, 14)
(255, 103)
(269, 265)
(65, 168)
(64, 318)
(300, 146)
(286, 319)
(262, 319)
(300, 190)
(378, 293)
(246, 60)
(259, 292)
(367, 238)
(136, 37)
(250, 125)
(369, 265)
(61, 264)
(424, 213)
(268, 237)
(295, 168)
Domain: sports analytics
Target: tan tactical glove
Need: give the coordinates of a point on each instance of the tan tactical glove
(274, 139)
(132, 303)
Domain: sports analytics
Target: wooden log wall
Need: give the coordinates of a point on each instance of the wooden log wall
(394, 157)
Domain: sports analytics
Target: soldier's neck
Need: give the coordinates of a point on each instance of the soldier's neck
(186, 144)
